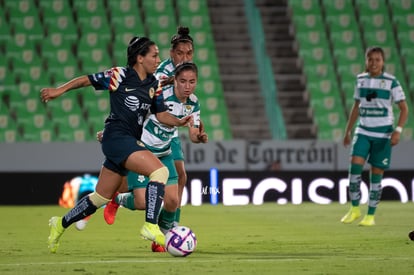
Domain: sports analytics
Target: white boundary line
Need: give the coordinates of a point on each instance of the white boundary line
(186, 260)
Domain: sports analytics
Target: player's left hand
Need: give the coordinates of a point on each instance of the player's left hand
(203, 137)
(395, 138)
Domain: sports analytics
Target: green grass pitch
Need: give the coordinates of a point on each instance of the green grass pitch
(266, 239)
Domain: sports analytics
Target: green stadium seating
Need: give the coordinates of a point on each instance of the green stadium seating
(91, 15)
(161, 23)
(24, 19)
(7, 126)
(126, 23)
(5, 31)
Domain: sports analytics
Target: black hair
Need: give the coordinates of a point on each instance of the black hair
(373, 50)
(182, 36)
(137, 46)
(185, 66)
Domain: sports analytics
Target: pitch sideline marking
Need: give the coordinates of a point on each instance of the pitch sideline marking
(147, 261)
(175, 260)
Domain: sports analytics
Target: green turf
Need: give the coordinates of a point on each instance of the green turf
(267, 239)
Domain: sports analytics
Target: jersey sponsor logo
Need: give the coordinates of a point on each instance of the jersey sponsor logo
(372, 112)
(132, 102)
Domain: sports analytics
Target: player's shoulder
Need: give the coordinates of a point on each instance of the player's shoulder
(389, 76)
(166, 68)
(193, 98)
(122, 71)
(363, 75)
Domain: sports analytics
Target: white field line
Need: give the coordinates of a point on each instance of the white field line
(189, 260)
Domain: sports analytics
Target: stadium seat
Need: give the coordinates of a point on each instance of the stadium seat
(91, 15)
(93, 52)
(161, 24)
(24, 19)
(126, 22)
(5, 31)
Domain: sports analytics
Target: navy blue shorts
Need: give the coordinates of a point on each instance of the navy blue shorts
(117, 150)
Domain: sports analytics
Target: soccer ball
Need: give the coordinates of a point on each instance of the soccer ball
(180, 241)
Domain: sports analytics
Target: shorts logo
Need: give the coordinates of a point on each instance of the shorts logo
(129, 90)
(140, 143)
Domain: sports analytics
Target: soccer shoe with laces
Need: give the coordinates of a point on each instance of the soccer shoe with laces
(353, 214)
(56, 231)
(153, 233)
(368, 220)
(157, 248)
(110, 210)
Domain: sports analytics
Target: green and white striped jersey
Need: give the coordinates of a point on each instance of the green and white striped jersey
(165, 69)
(376, 96)
(157, 136)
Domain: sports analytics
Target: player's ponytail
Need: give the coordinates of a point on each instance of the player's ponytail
(182, 36)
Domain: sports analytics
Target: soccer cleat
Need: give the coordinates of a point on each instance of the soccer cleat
(56, 231)
(153, 233)
(157, 248)
(353, 214)
(81, 224)
(110, 210)
(368, 220)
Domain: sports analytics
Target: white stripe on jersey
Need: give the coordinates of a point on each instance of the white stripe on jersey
(380, 109)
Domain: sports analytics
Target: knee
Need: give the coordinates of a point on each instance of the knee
(160, 175)
(171, 200)
(97, 199)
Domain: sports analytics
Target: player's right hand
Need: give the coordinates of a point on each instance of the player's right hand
(47, 94)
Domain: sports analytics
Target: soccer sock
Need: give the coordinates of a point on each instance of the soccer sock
(154, 195)
(355, 172)
(126, 200)
(374, 193)
(166, 220)
(82, 209)
(177, 215)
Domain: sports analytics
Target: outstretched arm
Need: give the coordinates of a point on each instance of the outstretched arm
(170, 120)
(47, 94)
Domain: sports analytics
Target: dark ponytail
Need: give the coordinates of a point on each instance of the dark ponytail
(182, 36)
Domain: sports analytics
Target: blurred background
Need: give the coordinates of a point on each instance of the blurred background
(268, 69)
(274, 75)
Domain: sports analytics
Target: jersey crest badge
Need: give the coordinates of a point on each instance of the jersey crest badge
(187, 110)
(151, 92)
